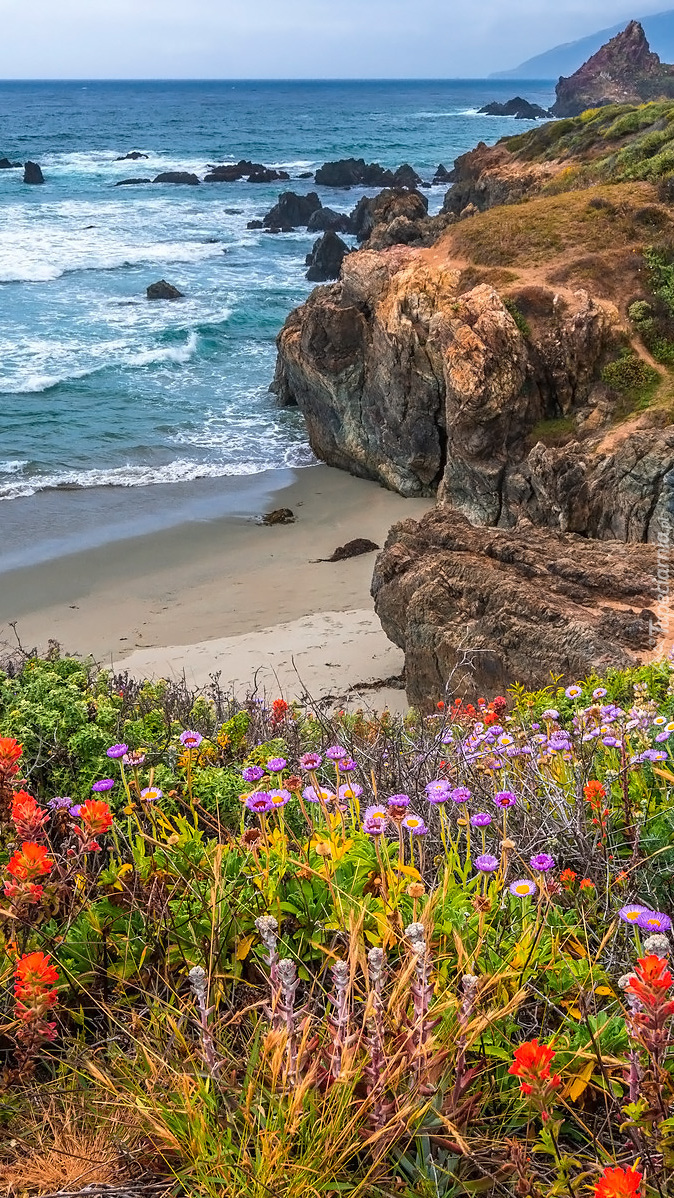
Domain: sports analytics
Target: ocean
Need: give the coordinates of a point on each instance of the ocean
(100, 387)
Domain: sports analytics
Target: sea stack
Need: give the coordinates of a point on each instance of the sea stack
(32, 173)
(624, 71)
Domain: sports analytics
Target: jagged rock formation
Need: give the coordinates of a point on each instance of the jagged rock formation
(6, 165)
(624, 71)
(489, 176)
(326, 257)
(163, 291)
(391, 204)
(292, 210)
(476, 609)
(351, 172)
(254, 172)
(177, 177)
(326, 218)
(134, 155)
(522, 110)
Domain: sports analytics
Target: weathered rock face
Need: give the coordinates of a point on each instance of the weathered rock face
(386, 207)
(351, 172)
(489, 175)
(292, 210)
(326, 218)
(476, 609)
(326, 257)
(624, 71)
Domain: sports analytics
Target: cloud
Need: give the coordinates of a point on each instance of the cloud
(288, 39)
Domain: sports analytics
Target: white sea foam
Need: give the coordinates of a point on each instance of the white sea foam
(180, 470)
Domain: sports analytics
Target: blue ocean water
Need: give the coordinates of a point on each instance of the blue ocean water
(98, 386)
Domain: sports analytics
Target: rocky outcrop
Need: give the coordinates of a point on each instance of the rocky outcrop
(326, 218)
(6, 165)
(406, 176)
(177, 177)
(254, 172)
(489, 176)
(522, 110)
(134, 155)
(475, 610)
(131, 182)
(386, 207)
(163, 291)
(352, 172)
(291, 210)
(32, 173)
(326, 257)
(624, 71)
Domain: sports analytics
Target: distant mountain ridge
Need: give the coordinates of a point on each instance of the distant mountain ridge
(567, 58)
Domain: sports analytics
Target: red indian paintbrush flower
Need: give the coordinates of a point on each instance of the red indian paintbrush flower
(96, 816)
(33, 975)
(27, 816)
(531, 1065)
(650, 980)
(29, 862)
(618, 1183)
(10, 752)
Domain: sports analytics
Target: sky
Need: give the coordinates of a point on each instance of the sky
(287, 39)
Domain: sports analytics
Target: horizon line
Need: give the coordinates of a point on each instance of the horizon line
(279, 79)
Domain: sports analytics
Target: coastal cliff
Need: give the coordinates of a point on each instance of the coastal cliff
(514, 361)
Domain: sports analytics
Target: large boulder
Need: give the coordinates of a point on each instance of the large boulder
(475, 610)
(326, 218)
(353, 172)
(326, 257)
(32, 173)
(624, 71)
(176, 177)
(292, 210)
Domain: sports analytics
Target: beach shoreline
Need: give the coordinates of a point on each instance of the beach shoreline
(211, 591)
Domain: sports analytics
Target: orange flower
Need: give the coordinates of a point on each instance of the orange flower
(651, 979)
(594, 791)
(618, 1183)
(28, 817)
(96, 816)
(567, 878)
(33, 975)
(23, 805)
(10, 752)
(30, 862)
(532, 1061)
(587, 884)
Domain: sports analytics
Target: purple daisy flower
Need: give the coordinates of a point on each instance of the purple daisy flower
(551, 714)
(349, 790)
(486, 863)
(399, 800)
(610, 742)
(336, 753)
(654, 921)
(347, 765)
(252, 773)
(190, 739)
(522, 888)
(151, 794)
(75, 811)
(573, 692)
(631, 912)
(325, 796)
(135, 758)
(276, 764)
(438, 791)
(460, 794)
(481, 819)
(415, 825)
(103, 785)
(279, 798)
(542, 862)
(60, 803)
(116, 751)
(260, 802)
(505, 798)
(310, 761)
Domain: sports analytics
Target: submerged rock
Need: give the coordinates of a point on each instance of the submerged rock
(176, 177)
(134, 155)
(131, 182)
(325, 259)
(163, 291)
(32, 173)
(479, 609)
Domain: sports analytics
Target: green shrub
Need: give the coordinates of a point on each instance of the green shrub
(632, 377)
(518, 317)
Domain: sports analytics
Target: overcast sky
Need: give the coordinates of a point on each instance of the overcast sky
(288, 39)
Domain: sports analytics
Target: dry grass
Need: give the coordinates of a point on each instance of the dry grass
(59, 1150)
(549, 227)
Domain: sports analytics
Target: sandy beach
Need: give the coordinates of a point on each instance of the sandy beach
(200, 595)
